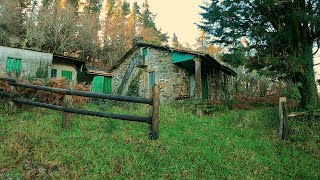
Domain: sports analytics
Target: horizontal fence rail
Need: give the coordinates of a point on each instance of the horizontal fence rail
(79, 93)
(152, 119)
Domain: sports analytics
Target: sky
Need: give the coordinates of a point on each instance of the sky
(176, 16)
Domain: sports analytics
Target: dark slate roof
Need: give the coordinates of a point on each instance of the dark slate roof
(68, 58)
(168, 48)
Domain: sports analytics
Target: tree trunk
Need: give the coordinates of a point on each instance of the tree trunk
(308, 90)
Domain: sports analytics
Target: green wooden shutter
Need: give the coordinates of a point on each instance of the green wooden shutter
(108, 85)
(67, 74)
(9, 64)
(151, 80)
(98, 84)
(53, 72)
(204, 86)
(13, 65)
(145, 51)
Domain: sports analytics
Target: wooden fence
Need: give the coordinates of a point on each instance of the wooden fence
(286, 113)
(66, 108)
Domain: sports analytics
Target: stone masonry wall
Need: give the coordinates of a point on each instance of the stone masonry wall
(118, 74)
(173, 80)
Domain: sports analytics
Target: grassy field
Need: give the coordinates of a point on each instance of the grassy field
(229, 144)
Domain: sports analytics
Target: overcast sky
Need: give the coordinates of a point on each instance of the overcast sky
(176, 16)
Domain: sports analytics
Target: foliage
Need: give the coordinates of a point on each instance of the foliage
(133, 89)
(175, 41)
(45, 96)
(11, 23)
(241, 144)
(279, 36)
(103, 32)
(43, 71)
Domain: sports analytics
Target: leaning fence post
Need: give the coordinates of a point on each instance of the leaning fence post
(67, 103)
(154, 112)
(283, 116)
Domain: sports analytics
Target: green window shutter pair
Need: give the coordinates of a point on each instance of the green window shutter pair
(13, 65)
(67, 74)
(102, 84)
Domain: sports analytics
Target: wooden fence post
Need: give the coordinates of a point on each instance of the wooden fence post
(12, 104)
(154, 112)
(283, 116)
(67, 103)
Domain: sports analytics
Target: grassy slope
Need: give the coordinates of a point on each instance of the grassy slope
(238, 144)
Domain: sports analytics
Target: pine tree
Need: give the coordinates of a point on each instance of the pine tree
(132, 24)
(202, 41)
(175, 41)
(148, 29)
(281, 35)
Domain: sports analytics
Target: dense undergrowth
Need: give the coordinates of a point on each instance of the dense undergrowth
(225, 144)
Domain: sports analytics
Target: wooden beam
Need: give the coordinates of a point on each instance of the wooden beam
(67, 103)
(198, 89)
(81, 93)
(283, 132)
(77, 111)
(154, 126)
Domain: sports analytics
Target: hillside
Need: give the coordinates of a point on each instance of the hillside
(229, 144)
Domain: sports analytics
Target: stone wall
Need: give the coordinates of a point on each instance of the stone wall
(220, 84)
(119, 73)
(173, 80)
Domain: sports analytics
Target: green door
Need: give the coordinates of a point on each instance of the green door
(204, 86)
(13, 65)
(107, 85)
(102, 84)
(98, 84)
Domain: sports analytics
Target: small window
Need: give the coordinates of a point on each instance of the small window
(67, 74)
(145, 51)
(54, 73)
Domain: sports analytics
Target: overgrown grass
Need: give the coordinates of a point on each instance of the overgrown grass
(229, 144)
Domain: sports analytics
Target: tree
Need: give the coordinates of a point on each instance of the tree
(57, 30)
(148, 29)
(11, 23)
(202, 41)
(280, 35)
(213, 49)
(175, 41)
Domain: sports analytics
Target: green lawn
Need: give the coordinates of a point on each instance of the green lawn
(229, 144)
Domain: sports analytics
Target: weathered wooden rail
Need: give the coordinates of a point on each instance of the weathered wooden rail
(152, 119)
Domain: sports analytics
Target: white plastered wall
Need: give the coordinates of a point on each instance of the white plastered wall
(61, 67)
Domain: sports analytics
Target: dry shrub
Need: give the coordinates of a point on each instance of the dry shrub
(270, 100)
(81, 87)
(45, 96)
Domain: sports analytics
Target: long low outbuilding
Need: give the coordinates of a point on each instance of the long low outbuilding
(29, 65)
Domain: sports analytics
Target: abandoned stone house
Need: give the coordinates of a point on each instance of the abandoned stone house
(180, 74)
(27, 64)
